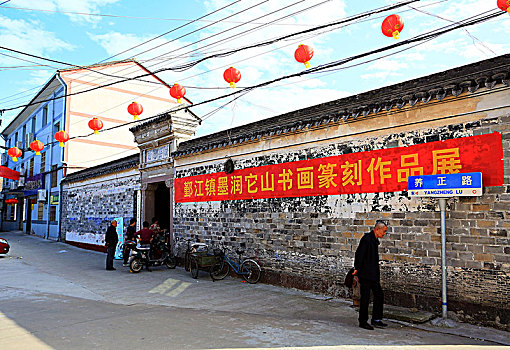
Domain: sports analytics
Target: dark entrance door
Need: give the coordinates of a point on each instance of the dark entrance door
(162, 205)
(29, 216)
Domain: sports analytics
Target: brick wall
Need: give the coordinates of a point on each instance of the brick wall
(90, 205)
(309, 242)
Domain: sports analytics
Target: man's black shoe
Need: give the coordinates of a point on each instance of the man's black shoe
(366, 326)
(112, 269)
(379, 324)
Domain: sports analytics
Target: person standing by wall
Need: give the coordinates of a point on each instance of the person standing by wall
(130, 236)
(111, 239)
(366, 264)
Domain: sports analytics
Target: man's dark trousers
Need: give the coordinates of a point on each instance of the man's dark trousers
(377, 311)
(110, 253)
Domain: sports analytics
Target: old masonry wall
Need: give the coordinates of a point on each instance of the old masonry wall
(309, 242)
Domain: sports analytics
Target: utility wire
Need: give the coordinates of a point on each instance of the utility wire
(418, 38)
(350, 19)
(144, 18)
(159, 36)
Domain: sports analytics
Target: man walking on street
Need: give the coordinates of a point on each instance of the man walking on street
(366, 264)
(130, 236)
(111, 239)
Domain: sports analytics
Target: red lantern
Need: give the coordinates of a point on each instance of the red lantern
(303, 54)
(37, 146)
(392, 26)
(95, 124)
(232, 76)
(177, 91)
(62, 137)
(14, 152)
(135, 109)
(504, 5)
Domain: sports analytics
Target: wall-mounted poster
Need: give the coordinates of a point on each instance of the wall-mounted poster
(120, 234)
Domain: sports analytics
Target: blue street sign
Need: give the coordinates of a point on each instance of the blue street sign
(445, 185)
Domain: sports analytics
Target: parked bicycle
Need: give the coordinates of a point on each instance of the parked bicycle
(247, 268)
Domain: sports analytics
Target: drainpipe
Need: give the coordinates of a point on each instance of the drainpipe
(59, 236)
(51, 175)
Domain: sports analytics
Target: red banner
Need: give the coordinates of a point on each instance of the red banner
(384, 170)
(9, 173)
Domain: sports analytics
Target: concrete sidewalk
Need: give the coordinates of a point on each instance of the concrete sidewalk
(37, 268)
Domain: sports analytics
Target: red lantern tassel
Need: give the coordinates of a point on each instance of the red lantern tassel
(232, 85)
(14, 159)
(136, 117)
(61, 144)
(96, 132)
(37, 153)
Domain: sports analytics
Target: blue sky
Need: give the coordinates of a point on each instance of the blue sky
(54, 32)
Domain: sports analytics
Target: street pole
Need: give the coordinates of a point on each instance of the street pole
(442, 207)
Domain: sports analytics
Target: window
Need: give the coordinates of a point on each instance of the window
(43, 162)
(45, 115)
(56, 128)
(15, 139)
(34, 123)
(40, 211)
(54, 175)
(31, 171)
(53, 213)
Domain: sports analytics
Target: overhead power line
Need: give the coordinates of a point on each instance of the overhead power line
(344, 21)
(143, 18)
(423, 37)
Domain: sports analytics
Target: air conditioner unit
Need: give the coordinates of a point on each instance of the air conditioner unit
(21, 181)
(41, 195)
(19, 144)
(14, 185)
(5, 158)
(30, 138)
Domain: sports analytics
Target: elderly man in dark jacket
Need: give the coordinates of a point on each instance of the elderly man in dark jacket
(111, 239)
(366, 264)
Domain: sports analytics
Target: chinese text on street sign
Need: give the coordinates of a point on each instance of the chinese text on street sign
(446, 185)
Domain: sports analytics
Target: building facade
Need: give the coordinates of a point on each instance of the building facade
(93, 197)
(61, 105)
(299, 190)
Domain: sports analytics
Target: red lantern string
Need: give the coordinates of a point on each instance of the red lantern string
(62, 137)
(303, 54)
(177, 91)
(232, 76)
(14, 153)
(95, 124)
(37, 146)
(135, 109)
(392, 26)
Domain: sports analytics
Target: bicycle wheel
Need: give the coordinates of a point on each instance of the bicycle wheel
(187, 257)
(251, 271)
(219, 270)
(193, 265)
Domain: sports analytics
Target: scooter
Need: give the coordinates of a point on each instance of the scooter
(159, 254)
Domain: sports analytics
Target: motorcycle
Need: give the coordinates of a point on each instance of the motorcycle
(157, 255)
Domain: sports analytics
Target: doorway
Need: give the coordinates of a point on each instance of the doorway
(162, 205)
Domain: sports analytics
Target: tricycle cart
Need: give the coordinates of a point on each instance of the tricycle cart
(202, 261)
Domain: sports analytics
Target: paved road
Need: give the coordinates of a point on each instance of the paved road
(53, 295)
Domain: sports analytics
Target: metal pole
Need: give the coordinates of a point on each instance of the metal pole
(442, 207)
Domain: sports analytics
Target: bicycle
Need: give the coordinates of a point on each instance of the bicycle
(248, 268)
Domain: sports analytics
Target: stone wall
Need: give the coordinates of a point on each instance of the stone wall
(90, 204)
(309, 242)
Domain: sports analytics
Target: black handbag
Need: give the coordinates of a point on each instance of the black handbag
(349, 278)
